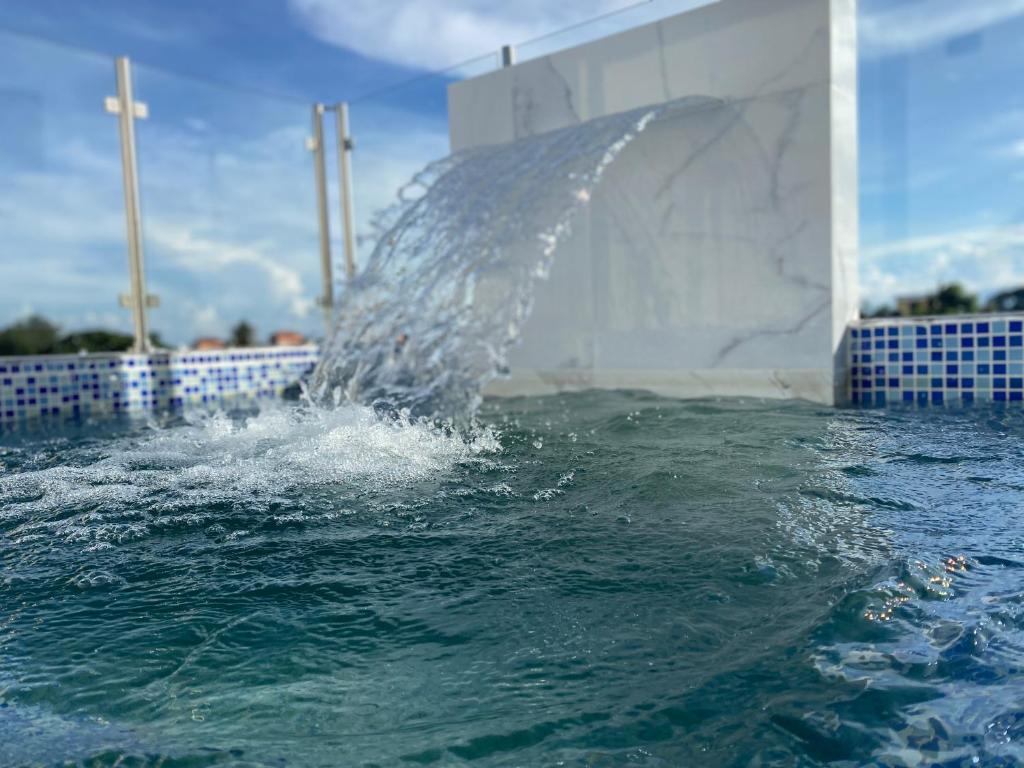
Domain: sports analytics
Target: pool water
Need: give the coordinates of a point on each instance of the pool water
(598, 579)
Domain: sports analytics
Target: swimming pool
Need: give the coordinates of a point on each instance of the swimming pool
(591, 579)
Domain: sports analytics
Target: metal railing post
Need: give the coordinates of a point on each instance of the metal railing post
(127, 110)
(316, 146)
(508, 55)
(345, 147)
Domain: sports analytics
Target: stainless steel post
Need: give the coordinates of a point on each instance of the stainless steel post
(316, 145)
(345, 147)
(508, 55)
(127, 109)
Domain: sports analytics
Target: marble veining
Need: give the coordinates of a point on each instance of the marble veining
(755, 335)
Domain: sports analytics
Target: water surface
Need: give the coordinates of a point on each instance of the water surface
(595, 579)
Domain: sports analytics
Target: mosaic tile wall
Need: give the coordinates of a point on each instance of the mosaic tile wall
(924, 361)
(937, 360)
(64, 387)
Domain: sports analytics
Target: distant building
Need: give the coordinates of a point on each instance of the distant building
(208, 343)
(911, 306)
(287, 339)
(948, 299)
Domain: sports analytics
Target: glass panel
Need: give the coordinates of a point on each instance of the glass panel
(397, 131)
(941, 154)
(607, 24)
(229, 210)
(228, 195)
(401, 128)
(62, 255)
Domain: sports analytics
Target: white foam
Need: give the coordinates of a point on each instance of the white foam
(126, 488)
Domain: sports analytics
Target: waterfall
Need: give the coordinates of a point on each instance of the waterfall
(450, 280)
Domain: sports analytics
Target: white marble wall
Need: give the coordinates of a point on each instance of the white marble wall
(719, 254)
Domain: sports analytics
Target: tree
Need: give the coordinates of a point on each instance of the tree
(93, 341)
(242, 335)
(953, 299)
(34, 335)
(883, 310)
(1007, 301)
(949, 299)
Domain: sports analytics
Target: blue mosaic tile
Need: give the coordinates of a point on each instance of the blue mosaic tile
(134, 383)
(937, 361)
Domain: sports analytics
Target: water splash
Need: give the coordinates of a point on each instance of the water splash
(450, 281)
(98, 497)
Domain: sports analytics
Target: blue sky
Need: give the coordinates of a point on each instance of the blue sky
(227, 184)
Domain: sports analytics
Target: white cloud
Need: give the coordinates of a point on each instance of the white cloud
(912, 26)
(213, 258)
(433, 34)
(986, 260)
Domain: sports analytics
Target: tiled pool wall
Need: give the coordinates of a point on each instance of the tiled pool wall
(937, 360)
(66, 387)
(923, 361)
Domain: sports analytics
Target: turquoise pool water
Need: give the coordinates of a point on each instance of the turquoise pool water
(597, 579)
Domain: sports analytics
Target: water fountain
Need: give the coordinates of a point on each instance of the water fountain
(712, 254)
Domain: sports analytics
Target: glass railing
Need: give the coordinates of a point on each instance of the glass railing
(230, 227)
(941, 145)
(397, 131)
(400, 128)
(606, 24)
(62, 251)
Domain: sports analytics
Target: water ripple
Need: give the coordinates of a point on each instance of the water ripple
(657, 583)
